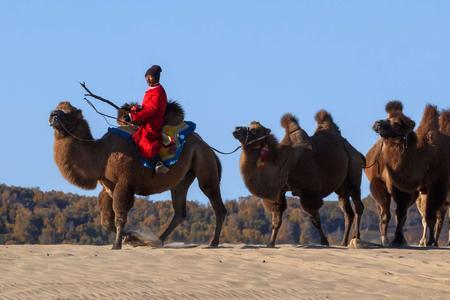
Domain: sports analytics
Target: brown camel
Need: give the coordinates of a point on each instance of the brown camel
(114, 162)
(444, 128)
(311, 167)
(416, 162)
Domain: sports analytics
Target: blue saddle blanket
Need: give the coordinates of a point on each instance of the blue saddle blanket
(169, 154)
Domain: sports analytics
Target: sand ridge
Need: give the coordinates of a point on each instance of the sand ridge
(230, 272)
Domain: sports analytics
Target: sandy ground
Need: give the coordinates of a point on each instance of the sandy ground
(230, 272)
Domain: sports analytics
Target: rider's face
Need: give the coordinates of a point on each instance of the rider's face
(150, 80)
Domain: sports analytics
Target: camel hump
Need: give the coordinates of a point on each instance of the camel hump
(444, 122)
(430, 120)
(289, 121)
(174, 113)
(324, 117)
(393, 106)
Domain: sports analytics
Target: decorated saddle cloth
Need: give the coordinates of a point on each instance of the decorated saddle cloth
(169, 154)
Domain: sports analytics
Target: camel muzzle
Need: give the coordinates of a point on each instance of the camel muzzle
(55, 118)
(239, 133)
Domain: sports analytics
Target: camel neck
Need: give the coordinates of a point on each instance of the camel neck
(80, 162)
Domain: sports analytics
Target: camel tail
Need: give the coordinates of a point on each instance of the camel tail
(430, 120)
(290, 123)
(444, 122)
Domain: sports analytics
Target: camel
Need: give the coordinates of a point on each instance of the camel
(310, 167)
(382, 189)
(415, 162)
(444, 128)
(114, 162)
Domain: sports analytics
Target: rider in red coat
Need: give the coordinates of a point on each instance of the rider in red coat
(150, 119)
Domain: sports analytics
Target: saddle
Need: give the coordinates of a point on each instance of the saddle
(174, 138)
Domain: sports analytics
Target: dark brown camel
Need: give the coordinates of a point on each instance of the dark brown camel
(311, 167)
(416, 162)
(114, 163)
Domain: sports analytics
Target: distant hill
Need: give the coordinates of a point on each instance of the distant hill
(28, 215)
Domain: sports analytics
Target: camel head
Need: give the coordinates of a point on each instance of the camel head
(253, 136)
(65, 118)
(396, 125)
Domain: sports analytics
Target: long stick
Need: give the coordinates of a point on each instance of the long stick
(90, 94)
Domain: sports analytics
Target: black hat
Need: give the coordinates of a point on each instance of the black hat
(154, 70)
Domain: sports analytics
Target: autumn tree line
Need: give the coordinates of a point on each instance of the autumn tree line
(31, 216)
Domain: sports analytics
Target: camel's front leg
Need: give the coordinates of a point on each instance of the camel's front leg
(107, 215)
(123, 199)
(383, 200)
(420, 203)
(277, 208)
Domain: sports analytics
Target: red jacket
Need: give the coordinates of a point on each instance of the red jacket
(150, 119)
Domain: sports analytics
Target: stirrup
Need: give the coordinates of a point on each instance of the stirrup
(160, 168)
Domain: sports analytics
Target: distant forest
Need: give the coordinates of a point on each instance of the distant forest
(36, 217)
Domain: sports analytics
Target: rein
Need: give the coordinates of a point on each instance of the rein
(376, 159)
(246, 144)
(74, 136)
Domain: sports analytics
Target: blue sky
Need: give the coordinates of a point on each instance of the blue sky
(228, 63)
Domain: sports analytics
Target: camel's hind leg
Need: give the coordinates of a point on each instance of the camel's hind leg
(208, 176)
(359, 209)
(437, 195)
(439, 222)
(123, 200)
(215, 198)
(448, 244)
(383, 200)
(107, 214)
(179, 194)
(349, 215)
(312, 205)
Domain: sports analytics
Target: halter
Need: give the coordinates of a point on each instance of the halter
(73, 135)
(247, 143)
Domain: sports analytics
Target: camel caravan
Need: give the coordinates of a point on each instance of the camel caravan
(153, 149)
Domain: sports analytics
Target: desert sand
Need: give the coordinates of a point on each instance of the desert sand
(230, 272)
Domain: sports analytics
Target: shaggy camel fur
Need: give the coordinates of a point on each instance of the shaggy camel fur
(311, 167)
(382, 190)
(415, 162)
(444, 128)
(114, 163)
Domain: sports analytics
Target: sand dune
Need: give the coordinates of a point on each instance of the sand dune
(231, 272)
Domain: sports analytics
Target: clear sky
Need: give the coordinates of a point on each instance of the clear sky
(227, 62)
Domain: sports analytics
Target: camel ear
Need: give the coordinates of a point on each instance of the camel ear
(79, 114)
(268, 131)
(412, 124)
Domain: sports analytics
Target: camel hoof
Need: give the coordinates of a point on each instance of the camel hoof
(398, 243)
(385, 242)
(344, 244)
(214, 244)
(271, 245)
(116, 247)
(432, 244)
(422, 243)
(325, 243)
